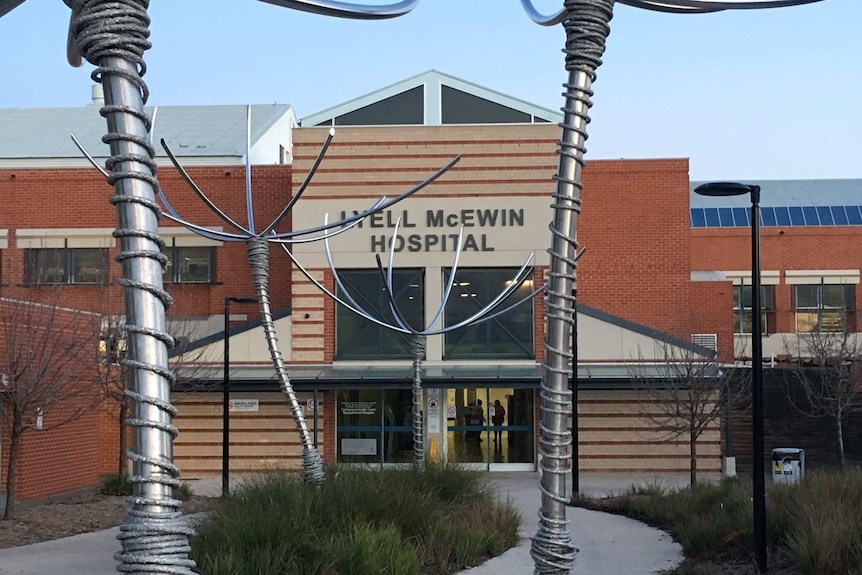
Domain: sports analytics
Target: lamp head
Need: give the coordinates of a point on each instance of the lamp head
(244, 299)
(724, 189)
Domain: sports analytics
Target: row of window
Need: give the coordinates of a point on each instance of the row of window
(819, 308)
(508, 336)
(89, 266)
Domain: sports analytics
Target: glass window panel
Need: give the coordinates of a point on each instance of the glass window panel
(358, 421)
(782, 216)
(767, 217)
(508, 336)
(744, 323)
(712, 220)
(825, 215)
(810, 215)
(806, 296)
(168, 269)
(45, 266)
(854, 217)
(742, 296)
(806, 322)
(796, 217)
(839, 216)
(194, 265)
(698, 219)
(88, 266)
(725, 216)
(832, 321)
(358, 338)
(741, 217)
(833, 296)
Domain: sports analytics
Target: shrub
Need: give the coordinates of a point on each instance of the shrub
(814, 527)
(390, 522)
(115, 485)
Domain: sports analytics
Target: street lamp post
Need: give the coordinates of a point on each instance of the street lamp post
(758, 477)
(225, 414)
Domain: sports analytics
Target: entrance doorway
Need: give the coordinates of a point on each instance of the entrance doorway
(491, 428)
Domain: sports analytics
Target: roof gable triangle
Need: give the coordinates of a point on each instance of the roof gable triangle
(432, 98)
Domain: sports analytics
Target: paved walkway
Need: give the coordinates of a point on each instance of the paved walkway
(609, 544)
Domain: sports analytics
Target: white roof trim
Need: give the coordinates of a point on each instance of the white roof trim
(432, 81)
(821, 276)
(744, 277)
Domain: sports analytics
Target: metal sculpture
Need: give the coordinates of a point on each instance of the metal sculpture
(586, 23)
(418, 335)
(113, 36)
(258, 255)
(257, 245)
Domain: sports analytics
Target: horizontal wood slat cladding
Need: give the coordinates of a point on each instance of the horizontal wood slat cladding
(260, 441)
(495, 160)
(614, 437)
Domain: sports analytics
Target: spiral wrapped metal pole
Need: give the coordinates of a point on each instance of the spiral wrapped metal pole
(258, 258)
(417, 347)
(586, 24)
(113, 37)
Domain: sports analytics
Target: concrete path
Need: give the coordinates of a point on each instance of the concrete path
(609, 544)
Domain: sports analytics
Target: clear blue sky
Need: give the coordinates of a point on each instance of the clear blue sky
(745, 94)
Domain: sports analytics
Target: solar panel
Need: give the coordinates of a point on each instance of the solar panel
(772, 216)
(796, 217)
(839, 216)
(711, 218)
(825, 216)
(810, 214)
(740, 217)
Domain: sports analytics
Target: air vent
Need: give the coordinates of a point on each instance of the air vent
(707, 340)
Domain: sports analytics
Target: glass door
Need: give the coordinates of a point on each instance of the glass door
(491, 428)
(375, 426)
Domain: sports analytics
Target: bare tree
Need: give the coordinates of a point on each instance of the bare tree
(829, 375)
(47, 372)
(685, 391)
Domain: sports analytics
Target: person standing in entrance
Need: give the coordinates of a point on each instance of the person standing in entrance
(497, 419)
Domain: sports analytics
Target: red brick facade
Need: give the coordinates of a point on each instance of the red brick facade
(76, 455)
(782, 249)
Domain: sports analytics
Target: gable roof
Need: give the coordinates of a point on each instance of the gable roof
(36, 136)
(432, 98)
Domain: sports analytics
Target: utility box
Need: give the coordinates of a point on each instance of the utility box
(788, 465)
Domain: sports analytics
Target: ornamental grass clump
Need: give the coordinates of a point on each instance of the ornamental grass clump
(360, 522)
(813, 528)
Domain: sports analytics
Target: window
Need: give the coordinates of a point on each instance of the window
(508, 336)
(742, 308)
(358, 338)
(52, 266)
(822, 307)
(188, 265)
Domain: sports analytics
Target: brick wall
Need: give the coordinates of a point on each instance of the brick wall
(781, 249)
(85, 195)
